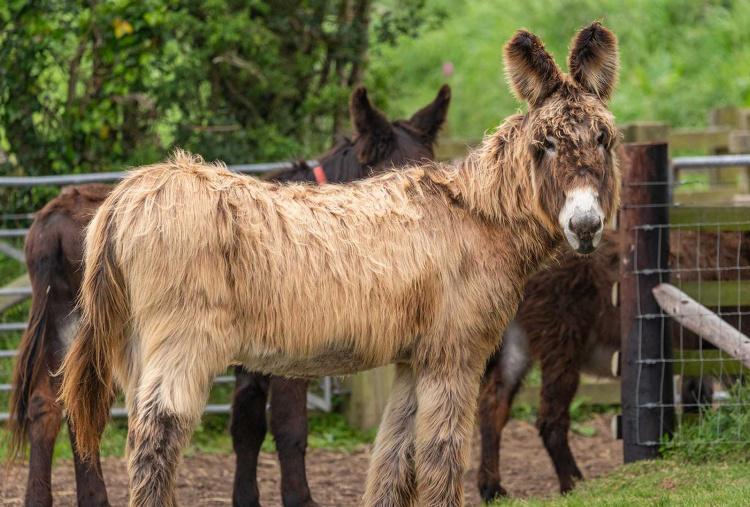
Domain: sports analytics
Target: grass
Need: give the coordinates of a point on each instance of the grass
(660, 483)
(326, 431)
(719, 433)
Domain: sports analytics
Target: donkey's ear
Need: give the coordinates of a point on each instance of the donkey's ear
(530, 69)
(594, 60)
(366, 119)
(431, 117)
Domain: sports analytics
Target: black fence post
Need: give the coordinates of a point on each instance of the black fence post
(646, 334)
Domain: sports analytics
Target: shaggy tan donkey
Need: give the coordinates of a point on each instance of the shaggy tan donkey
(190, 267)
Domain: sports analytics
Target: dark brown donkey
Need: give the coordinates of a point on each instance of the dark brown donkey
(567, 323)
(54, 251)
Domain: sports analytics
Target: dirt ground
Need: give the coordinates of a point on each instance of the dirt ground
(337, 479)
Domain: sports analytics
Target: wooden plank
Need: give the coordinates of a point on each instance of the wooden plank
(605, 393)
(686, 216)
(645, 132)
(7, 302)
(712, 196)
(12, 252)
(716, 138)
(739, 141)
(703, 322)
(706, 362)
(716, 294)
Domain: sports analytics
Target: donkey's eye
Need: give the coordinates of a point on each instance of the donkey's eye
(549, 143)
(602, 139)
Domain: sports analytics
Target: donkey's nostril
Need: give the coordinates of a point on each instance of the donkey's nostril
(585, 226)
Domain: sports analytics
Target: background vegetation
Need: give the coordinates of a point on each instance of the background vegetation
(679, 58)
(90, 86)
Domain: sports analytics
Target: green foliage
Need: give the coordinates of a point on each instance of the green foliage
(92, 86)
(679, 58)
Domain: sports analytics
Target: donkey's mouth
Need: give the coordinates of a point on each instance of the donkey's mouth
(585, 248)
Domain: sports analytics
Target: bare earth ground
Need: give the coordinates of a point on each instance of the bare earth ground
(338, 479)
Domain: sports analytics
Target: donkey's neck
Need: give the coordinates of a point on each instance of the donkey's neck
(495, 178)
(495, 182)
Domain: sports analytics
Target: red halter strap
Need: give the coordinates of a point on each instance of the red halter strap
(320, 175)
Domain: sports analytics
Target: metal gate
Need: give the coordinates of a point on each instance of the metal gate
(320, 395)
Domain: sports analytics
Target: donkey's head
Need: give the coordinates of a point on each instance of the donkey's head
(569, 133)
(378, 144)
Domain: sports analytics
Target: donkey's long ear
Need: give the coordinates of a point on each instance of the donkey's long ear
(594, 60)
(366, 119)
(530, 69)
(431, 117)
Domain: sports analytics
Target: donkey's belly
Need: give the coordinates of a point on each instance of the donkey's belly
(327, 362)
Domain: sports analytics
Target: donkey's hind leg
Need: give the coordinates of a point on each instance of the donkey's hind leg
(559, 385)
(45, 418)
(248, 428)
(90, 488)
(172, 392)
(391, 478)
(289, 428)
(502, 379)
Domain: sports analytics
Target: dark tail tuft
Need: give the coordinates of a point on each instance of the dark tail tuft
(30, 363)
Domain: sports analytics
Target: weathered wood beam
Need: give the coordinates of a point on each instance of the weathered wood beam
(703, 322)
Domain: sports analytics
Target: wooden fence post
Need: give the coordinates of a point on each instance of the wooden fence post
(369, 392)
(647, 391)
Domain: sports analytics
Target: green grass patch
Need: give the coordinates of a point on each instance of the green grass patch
(660, 483)
(719, 433)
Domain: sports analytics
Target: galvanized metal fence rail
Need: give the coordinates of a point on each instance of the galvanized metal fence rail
(319, 398)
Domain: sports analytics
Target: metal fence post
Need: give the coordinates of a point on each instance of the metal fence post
(647, 392)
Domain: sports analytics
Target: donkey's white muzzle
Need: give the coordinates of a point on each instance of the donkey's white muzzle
(582, 220)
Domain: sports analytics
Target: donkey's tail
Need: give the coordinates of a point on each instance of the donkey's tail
(88, 389)
(31, 352)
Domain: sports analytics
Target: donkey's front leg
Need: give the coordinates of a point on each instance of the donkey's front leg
(289, 428)
(170, 400)
(391, 478)
(447, 400)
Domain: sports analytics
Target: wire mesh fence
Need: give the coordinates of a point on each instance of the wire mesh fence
(685, 382)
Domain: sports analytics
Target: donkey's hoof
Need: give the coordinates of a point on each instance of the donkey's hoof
(567, 487)
(306, 503)
(492, 492)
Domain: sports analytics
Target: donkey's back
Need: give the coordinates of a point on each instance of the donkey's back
(258, 263)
